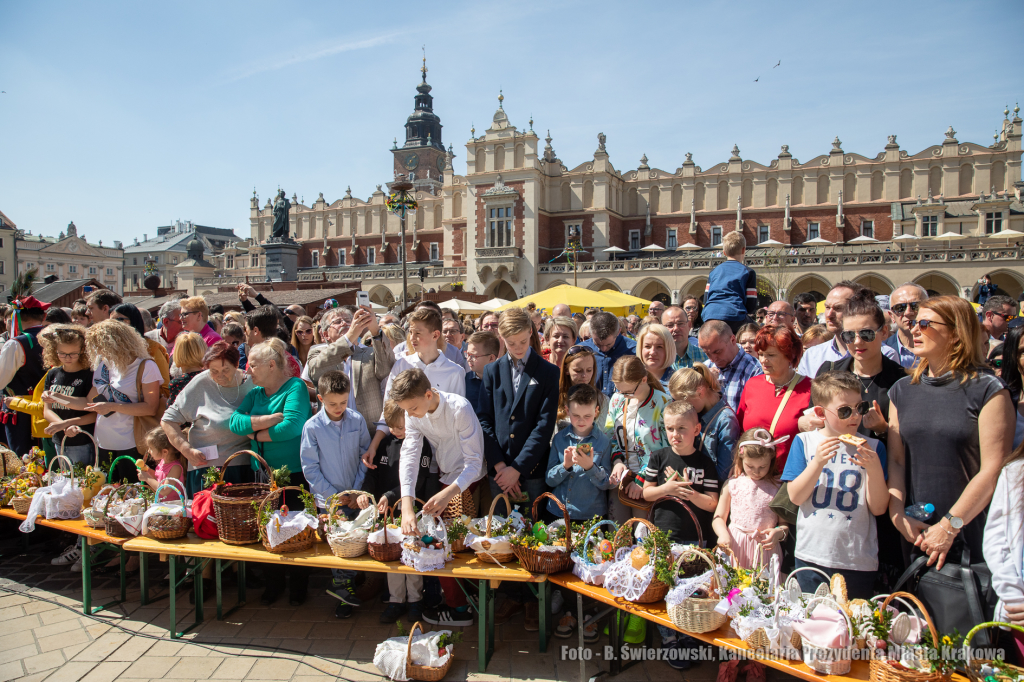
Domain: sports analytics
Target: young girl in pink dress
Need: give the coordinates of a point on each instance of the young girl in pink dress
(743, 520)
(168, 464)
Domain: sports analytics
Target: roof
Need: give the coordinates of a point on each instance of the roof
(51, 292)
(205, 229)
(229, 299)
(7, 222)
(954, 209)
(176, 241)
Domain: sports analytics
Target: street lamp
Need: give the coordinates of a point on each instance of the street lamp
(400, 203)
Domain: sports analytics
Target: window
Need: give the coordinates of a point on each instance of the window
(156, 259)
(73, 269)
(371, 255)
(435, 253)
(930, 226)
(634, 240)
(867, 228)
(672, 243)
(764, 233)
(716, 235)
(256, 261)
(500, 227)
(135, 260)
(316, 259)
(813, 231)
(230, 262)
(174, 259)
(92, 270)
(135, 281)
(993, 223)
(110, 271)
(50, 267)
(242, 263)
(1, 238)
(341, 256)
(3, 268)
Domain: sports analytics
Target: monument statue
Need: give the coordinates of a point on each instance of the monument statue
(281, 208)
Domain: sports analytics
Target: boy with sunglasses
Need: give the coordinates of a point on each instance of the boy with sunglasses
(839, 487)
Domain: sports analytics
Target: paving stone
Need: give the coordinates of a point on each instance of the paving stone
(272, 669)
(57, 628)
(290, 630)
(102, 647)
(72, 671)
(194, 668)
(41, 662)
(11, 671)
(233, 668)
(131, 650)
(151, 667)
(57, 615)
(64, 639)
(104, 672)
(15, 640)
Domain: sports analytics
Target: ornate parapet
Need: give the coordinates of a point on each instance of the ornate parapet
(494, 258)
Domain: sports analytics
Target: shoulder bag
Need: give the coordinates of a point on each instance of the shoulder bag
(781, 504)
(141, 425)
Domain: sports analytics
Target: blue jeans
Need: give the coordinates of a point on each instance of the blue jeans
(80, 454)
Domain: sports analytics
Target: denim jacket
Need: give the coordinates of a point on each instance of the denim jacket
(719, 430)
(580, 491)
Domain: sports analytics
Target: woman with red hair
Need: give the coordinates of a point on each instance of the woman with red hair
(775, 400)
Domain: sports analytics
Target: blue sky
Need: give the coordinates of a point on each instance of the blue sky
(125, 116)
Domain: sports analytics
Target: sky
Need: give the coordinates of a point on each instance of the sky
(127, 116)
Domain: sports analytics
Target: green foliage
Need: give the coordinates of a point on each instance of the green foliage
(211, 477)
(281, 477)
(446, 640)
(456, 530)
(659, 547)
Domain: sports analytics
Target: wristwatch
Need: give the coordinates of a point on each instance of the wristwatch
(954, 521)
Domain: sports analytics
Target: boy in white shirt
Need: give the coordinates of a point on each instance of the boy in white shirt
(840, 488)
(449, 424)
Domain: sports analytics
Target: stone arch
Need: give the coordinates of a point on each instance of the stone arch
(815, 285)
(566, 196)
(698, 196)
(588, 194)
(877, 185)
(457, 204)
(966, 183)
(876, 282)
(747, 193)
(1009, 282)
(677, 198)
(381, 295)
(631, 201)
(485, 274)
(723, 195)
(998, 176)
(938, 283)
(501, 289)
(556, 283)
(603, 284)
(824, 186)
(207, 293)
(438, 217)
(694, 287)
(481, 161)
(499, 157)
(772, 193)
(934, 181)
(798, 190)
(413, 291)
(906, 183)
(520, 158)
(850, 187)
(649, 288)
(655, 200)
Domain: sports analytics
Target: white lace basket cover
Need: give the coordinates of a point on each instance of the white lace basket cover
(283, 527)
(62, 499)
(390, 654)
(424, 559)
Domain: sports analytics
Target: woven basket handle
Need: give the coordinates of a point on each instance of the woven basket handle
(924, 612)
(714, 569)
(170, 483)
(730, 555)
(490, 514)
(689, 510)
(624, 536)
(970, 636)
(336, 502)
(123, 491)
(828, 578)
(408, 647)
(110, 476)
(266, 467)
(565, 514)
(63, 459)
(590, 535)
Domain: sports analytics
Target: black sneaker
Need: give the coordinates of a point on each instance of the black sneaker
(343, 611)
(414, 612)
(345, 592)
(392, 613)
(448, 617)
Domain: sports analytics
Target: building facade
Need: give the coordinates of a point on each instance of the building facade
(169, 248)
(70, 257)
(943, 217)
(8, 255)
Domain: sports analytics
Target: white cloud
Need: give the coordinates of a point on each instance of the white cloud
(337, 48)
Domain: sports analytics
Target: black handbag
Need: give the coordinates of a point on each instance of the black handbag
(959, 596)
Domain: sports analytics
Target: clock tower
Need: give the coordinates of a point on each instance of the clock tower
(422, 157)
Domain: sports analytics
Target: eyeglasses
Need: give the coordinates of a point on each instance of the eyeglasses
(774, 315)
(846, 411)
(924, 324)
(996, 362)
(690, 308)
(477, 356)
(186, 313)
(68, 356)
(303, 333)
(901, 308)
(866, 335)
(633, 390)
(291, 312)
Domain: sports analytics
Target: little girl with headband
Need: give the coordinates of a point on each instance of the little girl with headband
(743, 519)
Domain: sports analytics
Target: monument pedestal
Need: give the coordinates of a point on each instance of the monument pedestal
(282, 258)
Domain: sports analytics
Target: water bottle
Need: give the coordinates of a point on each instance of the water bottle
(920, 512)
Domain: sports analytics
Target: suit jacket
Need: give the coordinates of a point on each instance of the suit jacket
(518, 425)
(371, 365)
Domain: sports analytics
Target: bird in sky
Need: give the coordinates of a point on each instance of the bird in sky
(757, 79)
(780, 61)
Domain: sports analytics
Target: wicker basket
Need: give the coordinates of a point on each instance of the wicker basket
(492, 557)
(21, 504)
(973, 665)
(170, 526)
(697, 614)
(536, 561)
(657, 589)
(825, 660)
(95, 518)
(386, 551)
(299, 542)
(625, 499)
(422, 672)
(880, 668)
(460, 505)
(347, 548)
(88, 491)
(10, 463)
(236, 517)
(113, 527)
(581, 551)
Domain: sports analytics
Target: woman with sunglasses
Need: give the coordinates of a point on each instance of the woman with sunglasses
(579, 366)
(637, 428)
(559, 338)
(775, 400)
(302, 337)
(1011, 370)
(950, 430)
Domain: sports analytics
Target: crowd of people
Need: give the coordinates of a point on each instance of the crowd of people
(698, 417)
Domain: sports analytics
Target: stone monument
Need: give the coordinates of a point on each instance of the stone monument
(282, 252)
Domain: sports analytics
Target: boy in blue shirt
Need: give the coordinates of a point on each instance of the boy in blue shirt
(578, 477)
(332, 442)
(482, 349)
(731, 293)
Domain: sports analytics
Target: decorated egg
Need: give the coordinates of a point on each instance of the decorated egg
(428, 539)
(607, 550)
(540, 531)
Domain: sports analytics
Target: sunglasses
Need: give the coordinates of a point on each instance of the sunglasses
(866, 335)
(924, 324)
(996, 363)
(901, 308)
(846, 411)
(1006, 317)
(576, 350)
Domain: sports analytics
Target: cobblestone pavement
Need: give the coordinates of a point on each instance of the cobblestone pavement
(46, 637)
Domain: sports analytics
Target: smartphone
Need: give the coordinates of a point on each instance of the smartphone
(362, 299)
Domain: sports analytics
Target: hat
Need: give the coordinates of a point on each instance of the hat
(22, 304)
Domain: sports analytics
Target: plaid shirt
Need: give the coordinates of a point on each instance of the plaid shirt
(735, 375)
(692, 356)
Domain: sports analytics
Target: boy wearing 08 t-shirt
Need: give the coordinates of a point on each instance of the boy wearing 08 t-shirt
(839, 485)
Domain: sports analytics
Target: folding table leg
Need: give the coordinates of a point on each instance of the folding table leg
(485, 632)
(143, 579)
(86, 577)
(172, 567)
(124, 576)
(544, 615)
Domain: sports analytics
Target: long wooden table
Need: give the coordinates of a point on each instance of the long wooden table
(724, 637)
(94, 542)
(464, 566)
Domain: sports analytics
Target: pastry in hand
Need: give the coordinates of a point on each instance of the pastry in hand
(852, 439)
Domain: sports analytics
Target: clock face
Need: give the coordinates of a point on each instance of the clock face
(411, 162)
(440, 163)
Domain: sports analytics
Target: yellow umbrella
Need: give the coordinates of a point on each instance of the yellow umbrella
(579, 299)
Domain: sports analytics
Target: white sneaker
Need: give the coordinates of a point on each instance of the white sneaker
(77, 566)
(70, 555)
(557, 602)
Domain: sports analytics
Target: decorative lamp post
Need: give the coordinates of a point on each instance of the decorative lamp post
(400, 203)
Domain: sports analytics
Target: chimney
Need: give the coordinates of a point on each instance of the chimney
(117, 245)
(145, 237)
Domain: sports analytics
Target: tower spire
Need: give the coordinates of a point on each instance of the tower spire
(423, 69)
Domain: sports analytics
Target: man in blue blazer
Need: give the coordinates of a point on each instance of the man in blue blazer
(608, 346)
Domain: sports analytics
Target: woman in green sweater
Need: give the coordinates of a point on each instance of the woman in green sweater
(272, 416)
